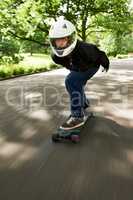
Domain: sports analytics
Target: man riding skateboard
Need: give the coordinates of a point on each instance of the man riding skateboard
(82, 59)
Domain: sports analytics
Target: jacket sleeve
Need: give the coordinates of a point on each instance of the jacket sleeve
(56, 59)
(100, 57)
(96, 56)
(64, 61)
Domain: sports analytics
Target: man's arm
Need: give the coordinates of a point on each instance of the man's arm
(64, 61)
(101, 58)
(95, 55)
(56, 59)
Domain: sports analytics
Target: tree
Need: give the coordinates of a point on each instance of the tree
(30, 20)
(27, 20)
(89, 13)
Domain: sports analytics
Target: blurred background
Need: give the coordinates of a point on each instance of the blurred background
(24, 27)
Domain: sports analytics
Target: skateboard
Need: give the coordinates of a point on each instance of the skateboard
(72, 135)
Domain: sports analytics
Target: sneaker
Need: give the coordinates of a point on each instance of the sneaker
(73, 122)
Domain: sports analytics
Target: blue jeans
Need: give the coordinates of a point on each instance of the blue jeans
(75, 82)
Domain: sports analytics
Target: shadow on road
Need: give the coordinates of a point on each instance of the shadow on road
(99, 167)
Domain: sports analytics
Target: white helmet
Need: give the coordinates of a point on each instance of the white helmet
(60, 29)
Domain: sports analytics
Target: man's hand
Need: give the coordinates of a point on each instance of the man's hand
(105, 69)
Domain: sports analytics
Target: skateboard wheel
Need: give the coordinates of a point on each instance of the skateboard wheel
(75, 138)
(55, 138)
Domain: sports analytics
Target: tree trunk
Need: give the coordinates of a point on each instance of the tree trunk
(84, 25)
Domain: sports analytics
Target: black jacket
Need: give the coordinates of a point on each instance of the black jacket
(83, 57)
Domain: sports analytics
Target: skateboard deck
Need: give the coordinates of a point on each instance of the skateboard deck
(72, 135)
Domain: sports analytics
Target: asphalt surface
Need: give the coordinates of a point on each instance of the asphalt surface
(100, 167)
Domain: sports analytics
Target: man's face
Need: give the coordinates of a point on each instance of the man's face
(61, 42)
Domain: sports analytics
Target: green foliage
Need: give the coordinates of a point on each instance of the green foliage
(127, 42)
(31, 48)
(18, 70)
(9, 71)
(6, 60)
(5, 71)
(14, 59)
(122, 56)
(17, 58)
(32, 64)
(29, 21)
(9, 51)
(8, 47)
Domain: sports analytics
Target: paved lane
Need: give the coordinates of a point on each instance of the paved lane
(100, 167)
